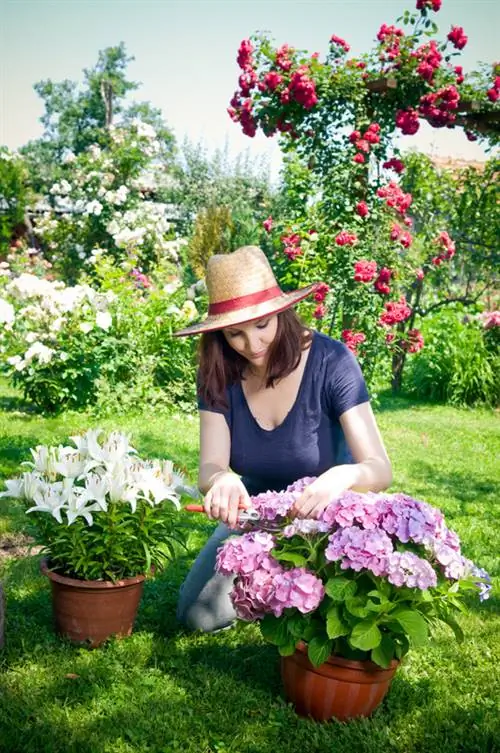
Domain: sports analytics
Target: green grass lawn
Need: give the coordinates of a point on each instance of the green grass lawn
(163, 691)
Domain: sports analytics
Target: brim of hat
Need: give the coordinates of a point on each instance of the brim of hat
(248, 314)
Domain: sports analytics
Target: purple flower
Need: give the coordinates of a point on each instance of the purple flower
(357, 548)
(252, 593)
(244, 554)
(484, 588)
(296, 588)
(352, 507)
(271, 505)
(406, 569)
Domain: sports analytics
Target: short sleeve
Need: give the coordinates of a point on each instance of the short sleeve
(203, 405)
(344, 382)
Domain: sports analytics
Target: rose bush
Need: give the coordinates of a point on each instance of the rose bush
(365, 581)
(337, 119)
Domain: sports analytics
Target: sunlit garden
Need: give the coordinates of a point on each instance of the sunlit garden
(107, 223)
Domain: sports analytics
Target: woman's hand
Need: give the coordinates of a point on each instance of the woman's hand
(324, 490)
(225, 498)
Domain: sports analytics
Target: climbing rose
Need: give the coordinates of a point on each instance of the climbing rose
(395, 312)
(353, 339)
(381, 283)
(319, 311)
(362, 209)
(415, 341)
(438, 106)
(354, 136)
(493, 94)
(457, 37)
(434, 5)
(364, 271)
(282, 58)
(244, 58)
(303, 88)
(407, 120)
(272, 80)
(340, 42)
(419, 274)
(405, 239)
(394, 164)
(359, 158)
(320, 293)
(459, 72)
(267, 224)
(346, 239)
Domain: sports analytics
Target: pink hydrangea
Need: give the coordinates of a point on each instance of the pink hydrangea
(244, 554)
(252, 593)
(407, 569)
(359, 549)
(297, 588)
(349, 508)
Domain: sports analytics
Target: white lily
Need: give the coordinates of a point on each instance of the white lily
(151, 483)
(96, 488)
(47, 499)
(15, 488)
(45, 460)
(71, 464)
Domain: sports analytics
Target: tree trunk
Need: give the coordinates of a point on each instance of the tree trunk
(398, 363)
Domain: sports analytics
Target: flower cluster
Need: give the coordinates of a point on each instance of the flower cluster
(439, 106)
(395, 312)
(434, 5)
(408, 121)
(364, 270)
(347, 568)
(448, 246)
(353, 339)
(337, 42)
(381, 284)
(395, 197)
(489, 319)
(364, 141)
(403, 236)
(390, 38)
(429, 59)
(415, 341)
(493, 92)
(457, 37)
(344, 238)
(362, 209)
(292, 247)
(394, 164)
(321, 291)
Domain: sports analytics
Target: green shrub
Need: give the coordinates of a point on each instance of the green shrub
(458, 362)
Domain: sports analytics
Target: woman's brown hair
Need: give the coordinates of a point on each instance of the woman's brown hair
(220, 366)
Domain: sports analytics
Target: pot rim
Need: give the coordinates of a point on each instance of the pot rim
(361, 664)
(90, 584)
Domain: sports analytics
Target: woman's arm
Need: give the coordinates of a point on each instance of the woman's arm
(224, 491)
(370, 472)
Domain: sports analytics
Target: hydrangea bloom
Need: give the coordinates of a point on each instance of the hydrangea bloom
(359, 549)
(406, 569)
(244, 554)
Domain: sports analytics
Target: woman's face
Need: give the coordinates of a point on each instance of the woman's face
(253, 339)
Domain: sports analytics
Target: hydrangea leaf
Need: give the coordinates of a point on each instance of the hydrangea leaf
(339, 588)
(366, 635)
(335, 626)
(318, 650)
(294, 557)
(413, 624)
(384, 652)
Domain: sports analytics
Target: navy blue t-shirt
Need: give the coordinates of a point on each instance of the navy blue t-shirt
(310, 439)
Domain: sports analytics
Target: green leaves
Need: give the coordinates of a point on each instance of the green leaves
(335, 626)
(366, 635)
(339, 588)
(413, 624)
(384, 652)
(294, 557)
(318, 650)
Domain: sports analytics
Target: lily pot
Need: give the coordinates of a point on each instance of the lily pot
(340, 688)
(90, 611)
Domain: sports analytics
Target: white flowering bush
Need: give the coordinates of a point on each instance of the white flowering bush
(108, 200)
(98, 510)
(69, 346)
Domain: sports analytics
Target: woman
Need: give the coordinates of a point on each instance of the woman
(277, 402)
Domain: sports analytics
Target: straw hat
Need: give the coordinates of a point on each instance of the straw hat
(241, 288)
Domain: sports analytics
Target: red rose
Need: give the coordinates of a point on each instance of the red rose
(267, 224)
(419, 274)
(319, 311)
(415, 341)
(394, 164)
(395, 312)
(407, 120)
(355, 135)
(320, 293)
(345, 238)
(364, 270)
(245, 50)
(457, 37)
(362, 145)
(406, 239)
(359, 158)
(493, 94)
(340, 42)
(362, 209)
(353, 339)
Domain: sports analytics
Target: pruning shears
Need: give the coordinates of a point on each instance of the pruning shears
(247, 517)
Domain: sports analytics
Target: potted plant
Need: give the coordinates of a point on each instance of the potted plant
(105, 519)
(346, 596)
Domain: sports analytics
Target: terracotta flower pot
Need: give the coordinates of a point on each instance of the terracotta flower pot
(339, 688)
(90, 611)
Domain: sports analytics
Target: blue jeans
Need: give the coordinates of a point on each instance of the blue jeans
(204, 602)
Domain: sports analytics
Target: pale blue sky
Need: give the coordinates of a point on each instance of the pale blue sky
(185, 54)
